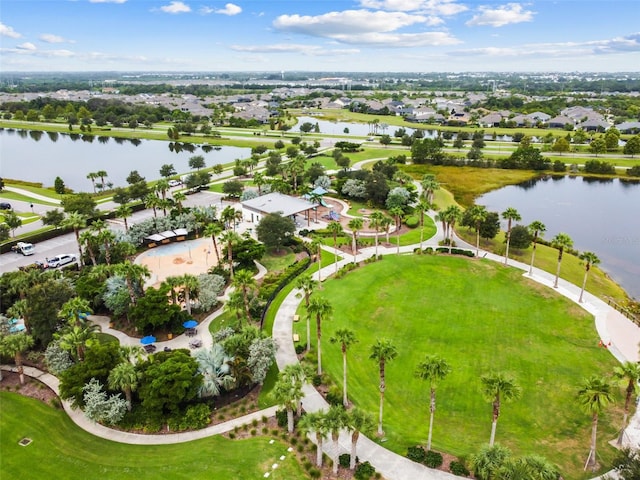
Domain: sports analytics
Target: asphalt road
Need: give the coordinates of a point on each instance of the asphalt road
(67, 243)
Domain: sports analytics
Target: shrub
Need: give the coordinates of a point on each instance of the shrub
(307, 465)
(559, 166)
(315, 473)
(300, 348)
(412, 221)
(458, 468)
(316, 380)
(196, 417)
(364, 471)
(334, 395)
(232, 435)
(281, 417)
(344, 460)
(634, 171)
(416, 454)
(433, 459)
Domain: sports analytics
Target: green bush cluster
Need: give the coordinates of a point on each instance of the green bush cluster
(281, 417)
(433, 459)
(334, 395)
(429, 458)
(364, 471)
(456, 251)
(597, 166)
(412, 221)
(459, 469)
(346, 269)
(272, 283)
(344, 460)
(634, 171)
(194, 417)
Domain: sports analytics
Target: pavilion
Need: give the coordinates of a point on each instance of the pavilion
(254, 209)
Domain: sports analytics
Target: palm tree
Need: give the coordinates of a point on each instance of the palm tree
(628, 373)
(72, 308)
(15, 345)
(336, 229)
(359, 421)
(228, 217)
(382, 351)
(235, 304)
(190, 286)
(451, 215)
(92, 176)
(345, 337)
(422, 208)
(432, 369)
(316, 246)
(287, 394)
(101, 174)
(496, 387)
(108, 239)
(385, 225)
(152, 201)
(477, 214)
(307, 285)
(245, 282)
(488, 462)
(134, 275)
(315, 422)
(336, 419)
(397, 214)
(295, 372)
(75, 338)
(429, 186)
(375, 222)
(76, 221)
(213, 230)
(593, 397)
(355, 224)
(589, 259)
(561, 241)
(179, 198)
(510, 214)
(229, 237)
(321, 309)
(537, 229)
(215, 366)
(125, 377)
(87, 239)
(258, 181)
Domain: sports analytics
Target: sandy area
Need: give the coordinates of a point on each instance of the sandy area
(175, 259)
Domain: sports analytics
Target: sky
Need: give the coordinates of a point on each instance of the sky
(320, 35)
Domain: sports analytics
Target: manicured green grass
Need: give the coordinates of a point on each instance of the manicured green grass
(480, 317)
(276, 262)
(61, 450)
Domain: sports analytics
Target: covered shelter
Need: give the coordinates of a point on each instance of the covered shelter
(254, 209)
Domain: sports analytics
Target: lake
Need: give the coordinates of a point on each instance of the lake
(600, 215)
(37, 156)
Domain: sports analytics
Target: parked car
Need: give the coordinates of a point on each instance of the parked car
(60, 260)
(5, 206)
(174, 183)
(37, 265)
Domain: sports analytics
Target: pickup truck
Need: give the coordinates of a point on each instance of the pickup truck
(24, 248)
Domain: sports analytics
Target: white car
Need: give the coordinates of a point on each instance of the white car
(174, 183)
(60, 260)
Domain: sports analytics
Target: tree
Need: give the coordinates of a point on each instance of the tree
(262, 353)
(189, 289)
(12, 220)
(315, 422)
(336, 419)
(375, 222)
(92, 176)
(476, 215)
(561, 242)
(76, 338)
(167, 170)
(215, 367)
(244, 282)
(134, 276)
(336, 229)
(628, 374)
(59, 187)
(15, 345)
(274, 230)
(101, 174)
(197, 162)
(76, 221)
(81, 203)
(382, 352)
(124, 377)
(451, 215)
(520, 237)
(510, 214)
(73, 309)
(345, 337)
(598, 146)
(561, 145)
(124, 212)
(321, 309)
(307, 285)
(537, 229)
(488, 463)
(102, 408)
(397, 214)
(589, 259)
(432, 369)
(355, 224)
(632, 147)
(594, 395)
(496, 387)
(53, 217)
(212, 230)
(287, 392)
(358, 422)
(233, 188)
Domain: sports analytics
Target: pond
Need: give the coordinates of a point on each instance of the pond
(37, 156)
(600, 215)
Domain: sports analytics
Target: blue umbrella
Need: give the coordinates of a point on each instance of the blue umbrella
(147, 340)
(190, 324)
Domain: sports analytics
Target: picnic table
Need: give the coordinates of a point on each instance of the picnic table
(195, 343)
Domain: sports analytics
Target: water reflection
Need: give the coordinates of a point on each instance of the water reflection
(35, 134)
(53, 136)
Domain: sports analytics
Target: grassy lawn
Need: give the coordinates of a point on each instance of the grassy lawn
(480, 317)
(546, 259)
(276, 262)
(61, 450)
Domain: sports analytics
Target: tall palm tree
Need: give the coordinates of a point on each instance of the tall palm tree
(345, 337)
(477, 214)
(336, 229)
(295, 372)
(212, 230)
(359, 421)
(336, 419)
(75, 339)
(124, 212)
(422, 208)
(73, 308)
(87, 239)
(429, 186)
(315, 422)
(432, 369)
(537, 229)
(15, 345)
(593, 397)
(173, 283)
(134, 275)
(235, 304)
(125, 377)
(307, 285)
(496, 387)
(287, 394)
(190, 286)
(589, 259)
(245, 282)
(382, 352)
(228, 217)
(628, 373)
(375, 222)
(385, 225)
(397, 213)
(355, 224)
(316, 246)
(152, 201)
(321, 309)
(451, 215)
(230, 237)
(92, 176)
(101, 174)
(76, 221)
(179, 198)
(561, 241)
(510, 214)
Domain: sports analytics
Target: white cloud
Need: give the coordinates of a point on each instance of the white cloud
(7, 31)
(51, 38)
(309, 50)
(630, 43)
(176, 7)
(501, 16)
(107, 1)
(26, 46)
(397, 40)
(229, 9)
(433, 7)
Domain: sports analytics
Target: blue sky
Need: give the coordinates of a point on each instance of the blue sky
(320, 35)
